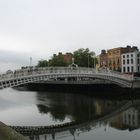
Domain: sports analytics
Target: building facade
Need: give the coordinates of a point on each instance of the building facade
(131, 118)
(114, 56)
(68, 57)
(130, 62)
(103, 59)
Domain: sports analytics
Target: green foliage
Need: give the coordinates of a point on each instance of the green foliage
(42, 63)
(57, 60)
(84, 57)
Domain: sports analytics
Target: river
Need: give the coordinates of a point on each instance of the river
(98, 118)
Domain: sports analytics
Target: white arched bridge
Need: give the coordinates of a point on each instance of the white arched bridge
(34, 74)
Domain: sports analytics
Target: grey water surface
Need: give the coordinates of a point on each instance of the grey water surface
(104, 118)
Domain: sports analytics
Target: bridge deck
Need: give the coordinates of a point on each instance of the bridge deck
(23, 76)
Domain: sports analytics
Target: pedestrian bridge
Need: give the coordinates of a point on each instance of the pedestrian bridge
(31, 74)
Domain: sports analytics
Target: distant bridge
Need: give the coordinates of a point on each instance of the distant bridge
(29, 75)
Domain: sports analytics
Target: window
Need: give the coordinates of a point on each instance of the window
(114, 62)
(123, 56)
(127, 56)
(138, 61)
(123, 69)
(127, 61)
(118, 61)
(129, 117)
(109, 63)
(132, 69)
(132, 61)
(138, 69)
(123, 61)
(128, 70)
(133, 119)
(137, 55)
(131, 55)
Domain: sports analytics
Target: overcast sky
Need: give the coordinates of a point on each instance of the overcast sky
(39, 28)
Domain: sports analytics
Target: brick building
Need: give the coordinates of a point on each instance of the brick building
(68, 57)
(114, 56)
(103, 59)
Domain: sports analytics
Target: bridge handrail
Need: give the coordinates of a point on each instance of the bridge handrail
(21, 72)
(117, 74)
(62, 70)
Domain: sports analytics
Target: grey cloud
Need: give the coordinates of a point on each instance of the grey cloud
(49, 26)
(13, 60)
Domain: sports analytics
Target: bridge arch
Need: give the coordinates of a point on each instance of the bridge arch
(115, 80)
(21, 77)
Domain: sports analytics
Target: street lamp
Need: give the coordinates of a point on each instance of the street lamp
(88, 60)
(30, 61)
(94, 60)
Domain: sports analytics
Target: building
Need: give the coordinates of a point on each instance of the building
(114, 56)
(103, 59)
(131, 118)
(130, 62)
(127, 120)
(68, 57)
(97, 66)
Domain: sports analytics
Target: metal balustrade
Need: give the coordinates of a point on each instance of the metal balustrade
(22, 76)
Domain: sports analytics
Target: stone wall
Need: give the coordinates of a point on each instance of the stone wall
(7, 133)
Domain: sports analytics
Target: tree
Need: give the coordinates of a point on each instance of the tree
(42, 63)
(57, 60)
(84, 57)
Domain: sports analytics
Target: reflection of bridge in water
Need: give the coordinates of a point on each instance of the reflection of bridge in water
(29, 75)
(67, 129)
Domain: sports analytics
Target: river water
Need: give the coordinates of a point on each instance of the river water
(97, 118)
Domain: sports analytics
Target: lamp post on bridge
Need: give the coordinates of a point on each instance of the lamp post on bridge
(94, 61)
(88, 60)
(30, 61)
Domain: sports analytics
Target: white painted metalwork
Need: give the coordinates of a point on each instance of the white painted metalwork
(33, 74)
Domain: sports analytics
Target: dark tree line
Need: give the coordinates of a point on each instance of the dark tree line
(82, 57)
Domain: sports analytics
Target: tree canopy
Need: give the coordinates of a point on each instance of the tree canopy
(42, 63)
(82, 57)
(57, 60)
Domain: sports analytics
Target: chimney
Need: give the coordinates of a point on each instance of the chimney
(103, 51)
